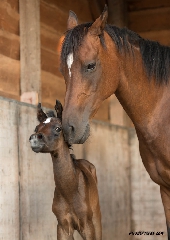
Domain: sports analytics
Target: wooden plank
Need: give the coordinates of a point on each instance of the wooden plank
(50, 62)
(9, 18)
(30, 46)
(14, 4)
(147, 209)
(36, 184)
(8, 95)
(81, 8)
(9, 188)
(155, 19)
(145, 4)
(49, 39)
(9, 75)
(53, 88)
(54, 17)
(9, 45)
(162, 36)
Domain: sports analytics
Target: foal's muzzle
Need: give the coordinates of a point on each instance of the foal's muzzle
(36, 141)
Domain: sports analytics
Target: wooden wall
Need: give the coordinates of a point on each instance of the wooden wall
(150, 19)
(9, 49)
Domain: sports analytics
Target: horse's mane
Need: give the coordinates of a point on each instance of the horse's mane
(156, 58)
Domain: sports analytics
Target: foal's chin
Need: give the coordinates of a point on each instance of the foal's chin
(38, 149)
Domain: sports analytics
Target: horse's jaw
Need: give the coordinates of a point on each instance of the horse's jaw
(78, 136)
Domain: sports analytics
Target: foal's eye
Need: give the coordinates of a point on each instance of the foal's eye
(58, 129)
(91, 67)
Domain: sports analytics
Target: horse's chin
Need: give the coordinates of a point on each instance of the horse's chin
(83, 138)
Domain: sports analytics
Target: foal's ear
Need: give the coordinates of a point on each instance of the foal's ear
(59, 109)
(72, 20)
(98, 26)
(41, 116)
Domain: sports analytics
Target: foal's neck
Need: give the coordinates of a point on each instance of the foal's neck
(64, 170)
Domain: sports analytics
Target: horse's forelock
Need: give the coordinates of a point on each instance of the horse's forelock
(72, 40)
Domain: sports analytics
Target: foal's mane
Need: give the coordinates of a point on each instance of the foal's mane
(156, 58)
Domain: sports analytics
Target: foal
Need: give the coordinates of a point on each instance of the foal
(76, 201)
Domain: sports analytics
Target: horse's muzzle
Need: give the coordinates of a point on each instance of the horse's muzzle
(73, 135)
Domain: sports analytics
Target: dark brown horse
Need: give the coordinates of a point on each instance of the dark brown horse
(76, 202)
(98, 60)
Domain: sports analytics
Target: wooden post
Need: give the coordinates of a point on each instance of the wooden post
(118, 17)
(30, 50)
(117, 12)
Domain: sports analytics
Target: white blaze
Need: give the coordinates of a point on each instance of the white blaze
(69, 62)
(47, 120)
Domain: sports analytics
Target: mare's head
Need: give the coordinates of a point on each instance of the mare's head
(90, 72)
(48, 134)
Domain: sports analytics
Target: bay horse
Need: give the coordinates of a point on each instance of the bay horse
(76, 201)
(98, 60)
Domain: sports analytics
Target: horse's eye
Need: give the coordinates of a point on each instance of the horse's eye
(58, 129)
(91, 66)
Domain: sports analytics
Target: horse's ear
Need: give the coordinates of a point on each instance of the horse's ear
(59, 109)
(72, 20)
(98, 26)
(41, 116)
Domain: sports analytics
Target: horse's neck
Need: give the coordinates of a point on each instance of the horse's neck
(64, 171)
(140, 97)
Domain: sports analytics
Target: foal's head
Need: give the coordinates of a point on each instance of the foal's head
(89, 70)
(48, 134)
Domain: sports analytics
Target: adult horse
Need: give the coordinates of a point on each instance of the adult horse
(98, 60)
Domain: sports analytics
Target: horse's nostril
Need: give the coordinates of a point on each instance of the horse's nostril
(71, 129)
(39, 136)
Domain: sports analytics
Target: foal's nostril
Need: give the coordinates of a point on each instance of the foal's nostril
(39, 136)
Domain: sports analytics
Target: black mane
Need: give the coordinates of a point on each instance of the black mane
(156, 58)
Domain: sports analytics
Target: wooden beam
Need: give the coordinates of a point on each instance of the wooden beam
(30, 46)
(9, 18)
(117, 12)
(145, 4)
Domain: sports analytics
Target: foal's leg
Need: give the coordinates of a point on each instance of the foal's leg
(165, 194)
(88, 232)
(63, 235)
(97, 224)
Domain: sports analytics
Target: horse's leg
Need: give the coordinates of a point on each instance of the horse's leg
(165, 194)
(63, 235)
